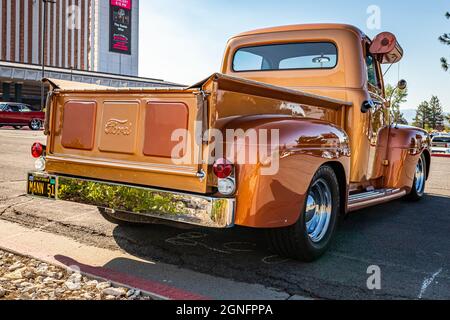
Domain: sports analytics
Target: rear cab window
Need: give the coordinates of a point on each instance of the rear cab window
(287, 56)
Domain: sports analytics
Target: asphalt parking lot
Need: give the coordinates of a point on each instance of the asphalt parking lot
(410, 243)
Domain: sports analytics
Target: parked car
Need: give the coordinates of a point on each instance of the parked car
(440, 145)
(153, 155)
(19, 115)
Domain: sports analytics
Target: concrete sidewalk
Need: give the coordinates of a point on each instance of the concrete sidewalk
(160, 280)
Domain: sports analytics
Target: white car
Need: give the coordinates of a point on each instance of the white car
(440, 145)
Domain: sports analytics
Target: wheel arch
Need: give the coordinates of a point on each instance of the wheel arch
(427, 155)
(305, 145)
(341, 176)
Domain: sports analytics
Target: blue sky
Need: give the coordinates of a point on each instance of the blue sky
(183, 40)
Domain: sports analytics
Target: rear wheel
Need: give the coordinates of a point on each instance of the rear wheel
(420, 179)
(35, 124)
(310, 237)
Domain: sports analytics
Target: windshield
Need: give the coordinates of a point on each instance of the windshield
(290, 56)
(442, 139)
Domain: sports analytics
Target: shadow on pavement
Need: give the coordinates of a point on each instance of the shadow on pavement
(407, 239)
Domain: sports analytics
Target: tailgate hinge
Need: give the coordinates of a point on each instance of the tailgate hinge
(202, 121)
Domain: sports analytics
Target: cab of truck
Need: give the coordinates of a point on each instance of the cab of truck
(337, 61)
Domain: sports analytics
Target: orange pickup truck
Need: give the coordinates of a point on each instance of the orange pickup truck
(294, 133)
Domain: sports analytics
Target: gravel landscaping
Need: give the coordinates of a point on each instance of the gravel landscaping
(23, 278)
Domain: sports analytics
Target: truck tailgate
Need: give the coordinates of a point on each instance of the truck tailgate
(125, 136)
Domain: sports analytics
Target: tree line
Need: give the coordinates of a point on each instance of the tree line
(429, 114)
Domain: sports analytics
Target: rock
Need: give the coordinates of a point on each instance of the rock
(130, 293)
(48, 280)
(86, 296)
(16, 275)
(28, 274)
(2, 292)
(72, 286)
(42, 269)
(110, 298)
(58, 292)
(92, 283)
(15, 266)
(76, 277)
(116, 292)
(25, 284)
(136, 294)
(103, 285)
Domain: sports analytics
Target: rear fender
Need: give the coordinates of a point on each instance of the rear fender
(277, 199)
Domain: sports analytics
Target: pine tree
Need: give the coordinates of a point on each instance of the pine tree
(422, 115)
(445, 39)
(436, 115)
(397, 97)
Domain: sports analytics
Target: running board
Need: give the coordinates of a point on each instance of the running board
(370, 198)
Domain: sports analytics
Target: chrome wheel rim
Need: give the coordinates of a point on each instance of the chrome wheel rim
(318, 210)
(420, 176)
(35, 124)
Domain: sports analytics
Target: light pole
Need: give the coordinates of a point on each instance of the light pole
(44, 31)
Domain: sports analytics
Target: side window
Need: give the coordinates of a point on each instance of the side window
(372, 73)
(25, 109)
(2, 107)
(14, 108)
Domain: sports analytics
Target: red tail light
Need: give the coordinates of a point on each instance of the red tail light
(37, 150)
(223, 168)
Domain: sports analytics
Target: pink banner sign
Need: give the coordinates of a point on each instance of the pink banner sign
(126, 4)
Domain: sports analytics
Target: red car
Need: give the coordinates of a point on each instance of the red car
(19, 115)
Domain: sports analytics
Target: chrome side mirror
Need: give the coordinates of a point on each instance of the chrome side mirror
(367, 105)
(402, 84)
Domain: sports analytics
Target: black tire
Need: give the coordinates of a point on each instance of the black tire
(294, 241)
(418, 188)
(17, 127)
(124, 219)
(35, 124)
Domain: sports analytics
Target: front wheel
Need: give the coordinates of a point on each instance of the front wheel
(35, 124)
(420, 179)
(310, 237)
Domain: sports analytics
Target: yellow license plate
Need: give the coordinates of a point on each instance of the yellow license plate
(41, 186)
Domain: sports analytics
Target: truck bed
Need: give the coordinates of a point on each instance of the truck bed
(125, 134)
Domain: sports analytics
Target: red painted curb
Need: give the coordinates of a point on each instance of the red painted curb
(156, 288)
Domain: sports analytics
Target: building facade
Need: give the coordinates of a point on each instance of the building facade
(93, 41)
(78, 34)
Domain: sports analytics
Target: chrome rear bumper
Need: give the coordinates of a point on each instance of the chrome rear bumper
(162, 204)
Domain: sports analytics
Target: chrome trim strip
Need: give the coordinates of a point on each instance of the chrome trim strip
(165, 169)
(175, 206)
(388, 195)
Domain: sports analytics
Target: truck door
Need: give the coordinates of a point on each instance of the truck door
(7, 114)
(378, 124)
